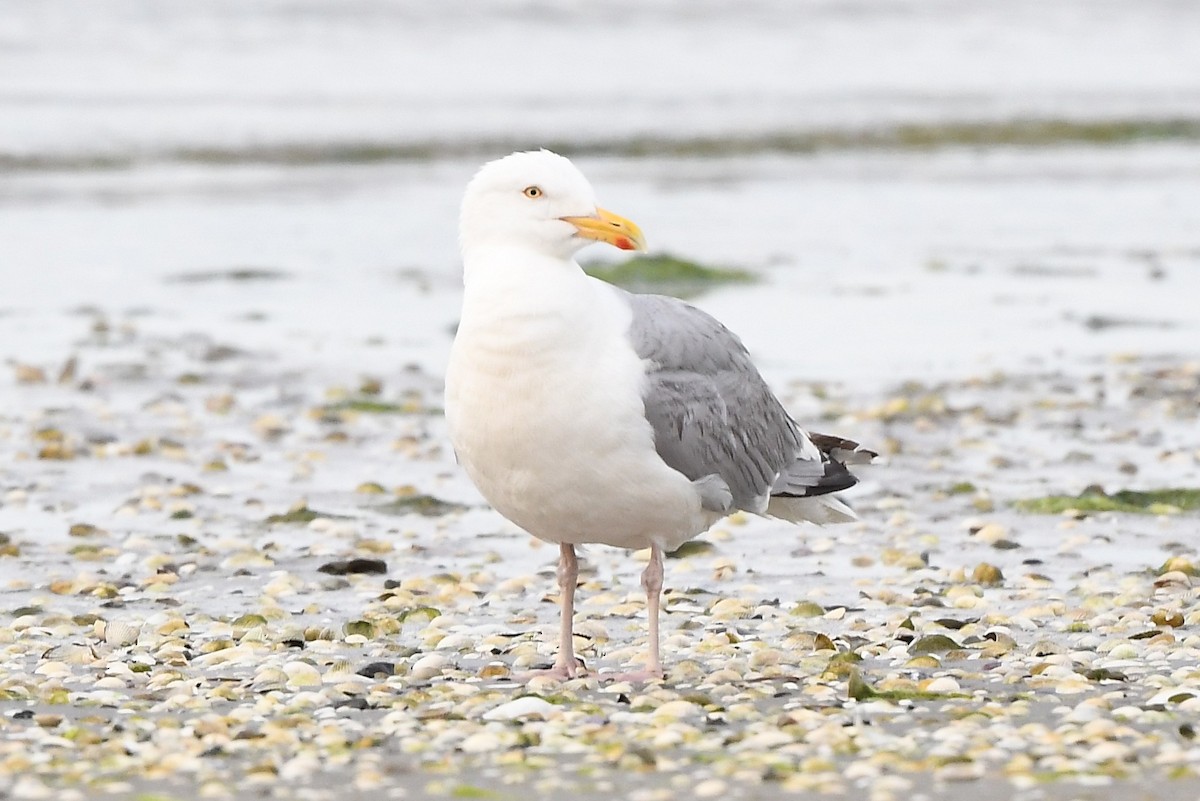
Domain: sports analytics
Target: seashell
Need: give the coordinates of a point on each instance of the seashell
(72, 654)
(339, 669)
(677, 709)
(528, 708)
(301, 674)
(121, 633)
(54, 669)
(428, 666)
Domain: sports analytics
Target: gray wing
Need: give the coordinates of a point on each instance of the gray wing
(714, 418)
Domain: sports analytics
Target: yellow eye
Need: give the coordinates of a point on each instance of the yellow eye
(533, 192)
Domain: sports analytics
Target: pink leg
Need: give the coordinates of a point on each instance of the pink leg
(652, 582)
(565, 666)
(568, 577)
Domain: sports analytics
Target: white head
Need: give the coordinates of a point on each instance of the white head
(540, 201)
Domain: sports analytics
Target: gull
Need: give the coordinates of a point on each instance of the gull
(587, 414)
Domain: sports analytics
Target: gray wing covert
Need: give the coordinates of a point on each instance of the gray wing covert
(711, 411)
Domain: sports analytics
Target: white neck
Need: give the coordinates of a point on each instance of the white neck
(508, 274)
(505, 284)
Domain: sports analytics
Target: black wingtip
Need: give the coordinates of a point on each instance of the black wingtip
(835, 479)
(840, 449)
(836, 453)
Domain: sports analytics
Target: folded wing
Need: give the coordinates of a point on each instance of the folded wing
(717, 422)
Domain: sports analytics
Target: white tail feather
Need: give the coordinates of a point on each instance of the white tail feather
(822, 509)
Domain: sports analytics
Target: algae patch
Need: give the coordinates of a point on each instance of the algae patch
(1015, 132)
(667, 274)
(425, 505)
(366, 406)
(472, 791)
(362, 404)
(299, 514)
(1163, 501)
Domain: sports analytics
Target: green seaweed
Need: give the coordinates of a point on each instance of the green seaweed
(299, 514)
(368, 404)
(667, 274)
(425, 505)
(1163, 501)
(365, 406)
(472, 791)
(1015, 132)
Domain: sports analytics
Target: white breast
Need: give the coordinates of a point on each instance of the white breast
(544, 406)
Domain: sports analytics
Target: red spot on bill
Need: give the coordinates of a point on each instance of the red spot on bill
(623, 243)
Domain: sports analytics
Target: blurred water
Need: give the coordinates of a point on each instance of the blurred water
(145, 77)
(131, 135)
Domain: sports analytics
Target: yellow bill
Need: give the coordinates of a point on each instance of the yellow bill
(611, 228)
